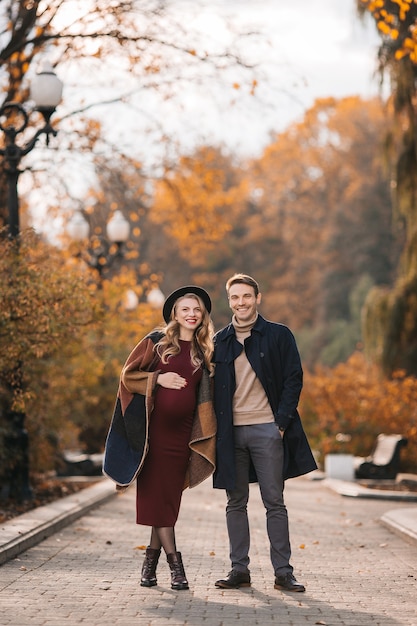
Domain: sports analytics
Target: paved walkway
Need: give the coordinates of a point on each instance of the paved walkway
(356, 570)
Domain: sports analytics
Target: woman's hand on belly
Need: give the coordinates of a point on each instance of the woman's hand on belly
(171, 380)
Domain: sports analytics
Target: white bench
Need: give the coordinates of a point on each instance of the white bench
(384, 461)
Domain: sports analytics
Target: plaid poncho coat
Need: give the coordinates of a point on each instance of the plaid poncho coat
(127, 439)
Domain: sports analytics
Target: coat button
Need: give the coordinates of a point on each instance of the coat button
(261, 354)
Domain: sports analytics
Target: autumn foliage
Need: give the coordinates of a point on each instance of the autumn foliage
(354, 399)
(395, 20)
(63, 337)
(196, 202)
(310, 218)
(391, 313)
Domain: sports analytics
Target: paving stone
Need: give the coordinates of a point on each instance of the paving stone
(356, 570)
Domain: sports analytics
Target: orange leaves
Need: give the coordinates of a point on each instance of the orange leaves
(385, 29)
(374, 4)
(354, 398)
(404, 7)
(329, 159)
(43, 304)
(396, 20)
(409, 48)
(194, 204)
(254, 85)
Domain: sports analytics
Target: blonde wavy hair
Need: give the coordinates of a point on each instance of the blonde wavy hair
(202, 346)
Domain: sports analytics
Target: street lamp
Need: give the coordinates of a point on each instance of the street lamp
(101, 252)
(155, 298)
(46, 92)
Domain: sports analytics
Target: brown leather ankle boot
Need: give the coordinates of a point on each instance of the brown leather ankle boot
(178, 579)
(148, 578)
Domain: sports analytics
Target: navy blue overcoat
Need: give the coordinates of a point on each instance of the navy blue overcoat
(273, 354)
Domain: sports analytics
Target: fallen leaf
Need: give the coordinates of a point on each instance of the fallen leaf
(302, 546)
(140, 548)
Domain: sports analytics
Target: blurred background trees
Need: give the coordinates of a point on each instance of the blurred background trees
(391, 314)
(111, 55)
(324, 218)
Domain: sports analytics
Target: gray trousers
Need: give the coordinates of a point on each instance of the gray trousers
(263, 445)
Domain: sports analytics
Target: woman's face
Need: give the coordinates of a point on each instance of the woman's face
(189, 314)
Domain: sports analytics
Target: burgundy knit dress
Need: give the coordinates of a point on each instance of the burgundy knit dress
(161, 481)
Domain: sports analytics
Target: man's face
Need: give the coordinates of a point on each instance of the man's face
(243, 302)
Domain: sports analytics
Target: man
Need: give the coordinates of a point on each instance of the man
(257, 384)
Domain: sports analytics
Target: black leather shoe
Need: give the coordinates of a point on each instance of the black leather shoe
(288, 583)
(234, 580)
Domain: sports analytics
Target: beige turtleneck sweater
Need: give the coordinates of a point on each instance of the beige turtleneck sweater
(250, 403)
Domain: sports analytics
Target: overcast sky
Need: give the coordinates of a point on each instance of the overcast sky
(308, 49)
(304, 49)
(311, 49)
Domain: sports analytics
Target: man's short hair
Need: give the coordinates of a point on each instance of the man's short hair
(242, 279)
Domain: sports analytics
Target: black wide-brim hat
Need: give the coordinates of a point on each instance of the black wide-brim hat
(182, 291)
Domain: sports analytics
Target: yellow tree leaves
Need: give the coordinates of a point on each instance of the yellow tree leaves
(396, 21)
(394, 312)
(196, 202)
(42, 305)
(353, 398)
(66, 337)
(317, 183)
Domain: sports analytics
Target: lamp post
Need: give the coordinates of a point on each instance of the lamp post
(155, 298)
(46, 92)
(101, 252)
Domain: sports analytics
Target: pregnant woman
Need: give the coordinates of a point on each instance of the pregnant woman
(163, 428)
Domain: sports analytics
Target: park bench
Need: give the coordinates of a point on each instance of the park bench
(78, 464)
(384, 461)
